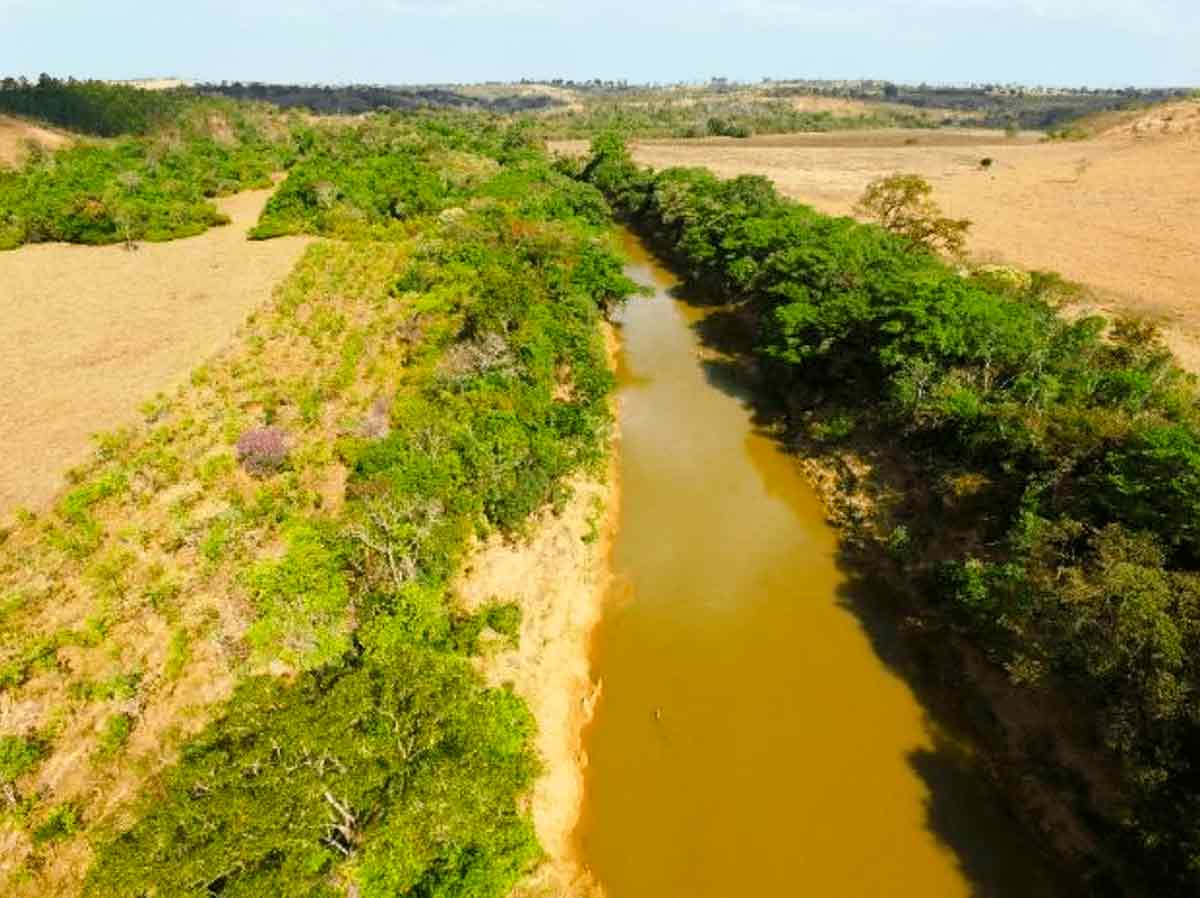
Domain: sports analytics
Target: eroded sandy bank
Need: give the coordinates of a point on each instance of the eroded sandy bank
(559, 576)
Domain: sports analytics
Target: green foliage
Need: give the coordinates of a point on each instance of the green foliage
(902, 205)
(342, 196)
(61, 823)
(91, 107)
(178, 652)
(115, 734)
(719, 127)
(466, 631)
(302, 602)
(77, 503)
(155, 186)
(134, 189)
(400, 759)
(1068, 133)
(18, 756)
(711, 116)
(1086, 439)
(383, 760)
(504, 618)
(120, 687)
(368, 180)
(219, 535)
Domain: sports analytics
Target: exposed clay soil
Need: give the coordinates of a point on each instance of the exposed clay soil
(1119, 213)
(558, 576)
(15, 133)
(92, 332)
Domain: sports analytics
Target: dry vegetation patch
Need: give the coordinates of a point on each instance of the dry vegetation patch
(16, 135)
(91, 331)
(128, 606)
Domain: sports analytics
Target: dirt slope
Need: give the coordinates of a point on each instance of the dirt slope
(92, 332)
(1182, 117)
(558, 577)
(15, 132)
(1120, 213)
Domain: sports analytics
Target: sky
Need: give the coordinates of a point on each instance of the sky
(1102, 43)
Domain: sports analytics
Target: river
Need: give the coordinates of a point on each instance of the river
(749, 739)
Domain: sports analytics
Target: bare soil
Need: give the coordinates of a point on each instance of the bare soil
(91, 332)
(16, 133)
(559, 576)
(1119, 213)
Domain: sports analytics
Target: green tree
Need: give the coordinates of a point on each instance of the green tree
(903, 205)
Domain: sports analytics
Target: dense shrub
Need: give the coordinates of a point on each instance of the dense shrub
(134, 189)
(91, 107)
(711, 115)
(382, 765)
(370, 179)
(400, 761)
(1083, 566)
(263, 450)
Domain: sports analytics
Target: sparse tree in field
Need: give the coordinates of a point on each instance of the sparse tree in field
(903, 204)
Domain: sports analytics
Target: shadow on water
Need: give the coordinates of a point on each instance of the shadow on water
(964, 810)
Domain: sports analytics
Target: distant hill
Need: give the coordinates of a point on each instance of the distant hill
(1181, 117)
(153, 83)
(357, 99)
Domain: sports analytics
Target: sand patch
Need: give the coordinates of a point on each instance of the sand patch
(1182, 117)
(91, 332)
(559, 576)
(15, 135)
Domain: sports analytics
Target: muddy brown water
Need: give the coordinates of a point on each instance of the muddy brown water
(750, 740)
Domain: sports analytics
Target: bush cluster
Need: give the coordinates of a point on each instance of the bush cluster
(383, 766)
(134, 189)
(714, 116)
(370, 179)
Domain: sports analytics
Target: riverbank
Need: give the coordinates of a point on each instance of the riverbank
(1113, 213)
(559, 576)
(1025, 744)
(284, 532)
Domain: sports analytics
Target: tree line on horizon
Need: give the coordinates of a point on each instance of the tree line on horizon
(361, 98)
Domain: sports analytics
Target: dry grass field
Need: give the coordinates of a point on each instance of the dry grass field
(15, 135)
(92, 332)
(1119, 213)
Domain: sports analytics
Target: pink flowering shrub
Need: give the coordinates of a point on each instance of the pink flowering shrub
(263, 450)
